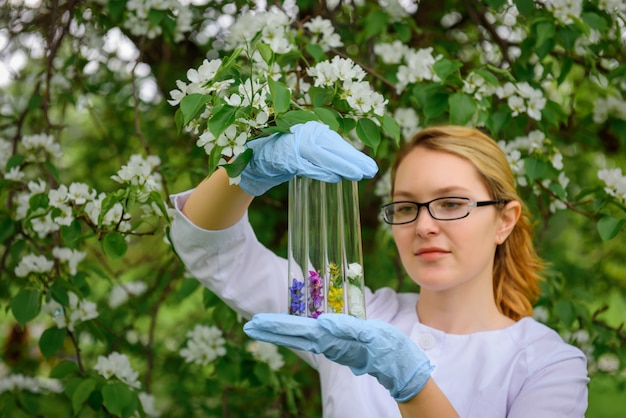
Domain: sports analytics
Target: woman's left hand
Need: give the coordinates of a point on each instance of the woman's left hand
(366, 346)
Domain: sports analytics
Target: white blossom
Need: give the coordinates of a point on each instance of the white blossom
(148, 404)
(120, 293)
(32, 263)
(72, 257)
(541, 314)
(267, 353)
(608, 362)
(117, 365)
(615, 182)
(14, 174)
(204, 345)
(20, 382)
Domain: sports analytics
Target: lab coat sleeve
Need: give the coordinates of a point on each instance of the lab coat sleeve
(556, 387)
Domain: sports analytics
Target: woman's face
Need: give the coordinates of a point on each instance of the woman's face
(442, 255)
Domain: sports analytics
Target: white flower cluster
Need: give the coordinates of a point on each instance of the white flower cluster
(348, 76)
(565, 11)
(117, 365)
(120, 293)
(534, 143)
(612, 6)
(323, 33)
(609, 106)
(615, 183)
(140, 172)
(33, 264)
(476, 85)
(147, 404)
(408, 120)
(415, 65)
(273, 28)
(139, 24)
(80, 310)
(36, 148)
(523, 98)
(18, 382)
(39, 264)
(205, 344)
(267, 353)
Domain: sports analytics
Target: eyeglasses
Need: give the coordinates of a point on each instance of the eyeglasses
(441, 209)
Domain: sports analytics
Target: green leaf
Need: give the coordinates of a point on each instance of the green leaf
(59, 293)
(81, 393)
(391, 127)
(444, 68)
(488, 76)
(266, 52)
(496, 4)
(179, 118)
(116, 9)
(241, 162)
(293, 117)
(114, 245)
(535, 169)
(595, 21)
(369, 133)
(375, 23)
(433, 99)
(156, 16)
(462, 108)
(568, 35)
(222, 119)
(525, 7)
(506, 74)
(14, 161)
(321, 97)
(52, 169)
(214, 157)
(557, 189)
(7, 228)
(329, 116)
(193, 105)
(609, 227)
(566, 67)
(64, 369)
(187, 287)
(38, 201)
(26, 305)
(51, 341)
(546, 31)
(116, 396)
(565, 311)
(71, 233)
(281, 96)
(315, 51)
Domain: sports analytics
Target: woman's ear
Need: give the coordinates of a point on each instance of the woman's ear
(508, 218)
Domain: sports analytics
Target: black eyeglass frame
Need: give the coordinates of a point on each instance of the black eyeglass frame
(470, 204)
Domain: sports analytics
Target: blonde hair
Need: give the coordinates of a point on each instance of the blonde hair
(516, 266)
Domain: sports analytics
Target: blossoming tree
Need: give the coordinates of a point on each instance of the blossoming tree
(108, 106)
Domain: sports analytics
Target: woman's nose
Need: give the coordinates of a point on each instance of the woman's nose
(425, 224)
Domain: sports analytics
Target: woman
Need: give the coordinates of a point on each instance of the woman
(466, 345)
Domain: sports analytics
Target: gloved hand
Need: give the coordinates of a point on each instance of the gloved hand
(311, 150)
(366, 346)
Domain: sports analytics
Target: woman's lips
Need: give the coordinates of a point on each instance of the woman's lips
(431, 253)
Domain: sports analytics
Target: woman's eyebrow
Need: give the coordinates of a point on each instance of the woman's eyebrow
(440, 191)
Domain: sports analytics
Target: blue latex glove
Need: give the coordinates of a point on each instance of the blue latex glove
(366, 346)
(311, 150)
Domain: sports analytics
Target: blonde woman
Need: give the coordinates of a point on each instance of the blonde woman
(464, 345)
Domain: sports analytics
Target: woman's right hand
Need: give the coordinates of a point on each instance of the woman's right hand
(311, 150)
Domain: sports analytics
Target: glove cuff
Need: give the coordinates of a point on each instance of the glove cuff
(414, 385)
